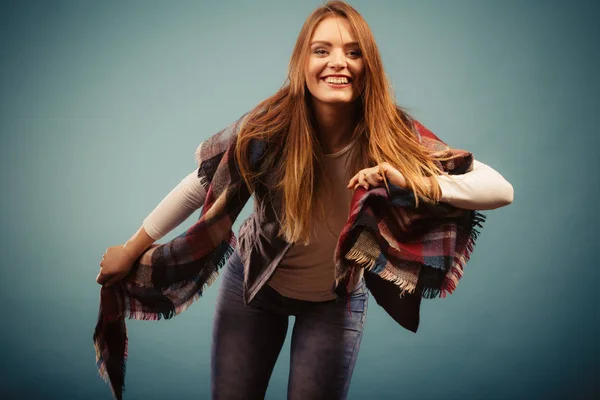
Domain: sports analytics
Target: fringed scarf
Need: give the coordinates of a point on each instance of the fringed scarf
(420, 249)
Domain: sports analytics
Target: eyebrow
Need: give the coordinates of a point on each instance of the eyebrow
(326, 43)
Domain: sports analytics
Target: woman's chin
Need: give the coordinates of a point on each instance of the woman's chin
(336, 99)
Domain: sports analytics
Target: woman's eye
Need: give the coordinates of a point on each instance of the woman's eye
(351, 53)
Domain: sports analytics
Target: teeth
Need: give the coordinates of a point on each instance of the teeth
(338, 80)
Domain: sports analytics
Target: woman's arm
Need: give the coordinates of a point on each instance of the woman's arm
(190, 194)
(171, 211)
(483, 188)
(138, 243)
(176, 207)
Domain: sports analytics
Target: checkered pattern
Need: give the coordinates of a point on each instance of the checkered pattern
(421, 249)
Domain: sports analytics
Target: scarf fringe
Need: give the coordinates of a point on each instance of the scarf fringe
(154, 316)
(364, 260)
(453, 275)
(368, 263)
(103, 371)
(168, 314)
(456, 271)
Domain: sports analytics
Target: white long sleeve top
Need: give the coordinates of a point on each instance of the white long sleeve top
(483, 188)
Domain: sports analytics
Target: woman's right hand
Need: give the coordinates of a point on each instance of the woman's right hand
(116, 264)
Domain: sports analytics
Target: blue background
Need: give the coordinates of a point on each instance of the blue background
(102, 105)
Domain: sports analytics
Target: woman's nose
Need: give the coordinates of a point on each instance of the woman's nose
(338, 59)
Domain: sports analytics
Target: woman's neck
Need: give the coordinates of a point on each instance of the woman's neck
(335, 125)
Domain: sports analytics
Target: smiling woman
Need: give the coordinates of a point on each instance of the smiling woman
(335, 67)
(316, 155)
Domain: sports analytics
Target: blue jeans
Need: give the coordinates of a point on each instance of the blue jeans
(247, 341)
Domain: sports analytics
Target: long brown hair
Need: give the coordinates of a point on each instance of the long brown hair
(383, 132)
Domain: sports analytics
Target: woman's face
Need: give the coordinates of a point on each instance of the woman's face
(334, 69)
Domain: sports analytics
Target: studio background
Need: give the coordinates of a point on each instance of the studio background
(102, 105)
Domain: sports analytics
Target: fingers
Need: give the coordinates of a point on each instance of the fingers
(101, 278)
(353, 182)
(108, 280)
(358, 179)
(374, 179)
(362, 181)
(366, 178)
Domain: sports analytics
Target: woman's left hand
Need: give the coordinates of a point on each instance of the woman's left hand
(374, 177)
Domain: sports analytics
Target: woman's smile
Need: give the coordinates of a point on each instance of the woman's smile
(337, 81)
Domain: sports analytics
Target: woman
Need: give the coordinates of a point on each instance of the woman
(333, 127)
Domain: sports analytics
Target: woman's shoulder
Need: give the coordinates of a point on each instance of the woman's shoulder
(422, 134)
(220, 141)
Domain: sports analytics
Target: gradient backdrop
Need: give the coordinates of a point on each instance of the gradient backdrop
(102, 104)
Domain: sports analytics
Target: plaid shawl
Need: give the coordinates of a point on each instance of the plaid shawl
(421, 249)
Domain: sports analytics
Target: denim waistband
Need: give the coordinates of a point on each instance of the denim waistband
(236, 264)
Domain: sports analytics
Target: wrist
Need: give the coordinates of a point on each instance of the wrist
(445, 184)
(395, 178)
(138, 243)
(435, 189)
(132, 251)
